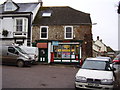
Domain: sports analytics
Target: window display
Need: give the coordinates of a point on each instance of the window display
(66, 51)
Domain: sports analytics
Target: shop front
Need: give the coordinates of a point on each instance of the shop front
(43, 52)
(60, 51)
(66, 52)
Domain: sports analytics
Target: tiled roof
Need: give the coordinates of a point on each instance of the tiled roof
(23, 7)
(61, 16)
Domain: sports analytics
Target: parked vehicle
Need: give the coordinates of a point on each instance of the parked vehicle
(108, 58)
(95, 74)
(32, 51)
(117, 59)
(14, 55)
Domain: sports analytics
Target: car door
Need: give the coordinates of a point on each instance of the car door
(12, 55)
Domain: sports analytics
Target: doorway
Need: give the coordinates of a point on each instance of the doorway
(43, 55)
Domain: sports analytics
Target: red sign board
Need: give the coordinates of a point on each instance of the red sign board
(42, 45)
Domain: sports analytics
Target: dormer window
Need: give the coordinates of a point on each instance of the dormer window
(10, 6)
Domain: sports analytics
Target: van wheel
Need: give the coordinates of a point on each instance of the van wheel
(20, 63)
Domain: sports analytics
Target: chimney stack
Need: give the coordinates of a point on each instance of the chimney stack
(97, 37)
(40, 1)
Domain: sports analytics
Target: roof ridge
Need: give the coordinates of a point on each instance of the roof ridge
(55, 6)
(28, 3)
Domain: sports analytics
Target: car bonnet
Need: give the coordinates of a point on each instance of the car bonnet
(95, 74)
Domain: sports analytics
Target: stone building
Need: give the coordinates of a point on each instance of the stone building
(62, 34)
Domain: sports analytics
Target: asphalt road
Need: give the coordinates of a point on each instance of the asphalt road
(43, 76)
(39, 76)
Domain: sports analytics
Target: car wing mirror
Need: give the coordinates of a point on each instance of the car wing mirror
(17, 53)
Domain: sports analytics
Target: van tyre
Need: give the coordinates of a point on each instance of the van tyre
(20, 63)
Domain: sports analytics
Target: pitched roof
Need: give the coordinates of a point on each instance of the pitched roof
(23, 7)
(109, 49)
(61, 16)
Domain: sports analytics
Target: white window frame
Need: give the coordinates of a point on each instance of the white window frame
(40, 32)
(65, 32)
(24, 25)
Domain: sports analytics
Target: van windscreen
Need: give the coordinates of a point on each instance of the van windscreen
(21, 50)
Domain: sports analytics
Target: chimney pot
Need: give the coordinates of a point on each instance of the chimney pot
(97, 37)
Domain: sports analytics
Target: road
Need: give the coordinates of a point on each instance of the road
(43, 76)
(39, 76)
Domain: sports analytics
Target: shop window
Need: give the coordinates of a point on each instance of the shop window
(57, 51)
(66, 51)
(68, 32)
(73, 51)
(44, 32)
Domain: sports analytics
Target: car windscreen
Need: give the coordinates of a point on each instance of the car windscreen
(21, 50)
(96, 65)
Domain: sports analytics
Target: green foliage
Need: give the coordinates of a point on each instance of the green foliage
(5, 33)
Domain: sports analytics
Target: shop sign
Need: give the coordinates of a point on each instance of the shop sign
(73, 43)
(42, 45)
(55, 43)
(65, 50)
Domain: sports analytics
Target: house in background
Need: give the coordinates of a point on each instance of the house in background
(100, 49)
(96, 49)
(62, 34)
(15, 22)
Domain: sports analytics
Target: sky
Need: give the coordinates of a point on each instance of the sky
(102, 12)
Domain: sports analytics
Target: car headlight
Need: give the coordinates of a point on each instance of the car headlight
(107, 81)
(81, 79)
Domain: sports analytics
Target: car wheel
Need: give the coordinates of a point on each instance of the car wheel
(20, 63)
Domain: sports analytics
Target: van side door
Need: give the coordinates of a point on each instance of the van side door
(12, 55)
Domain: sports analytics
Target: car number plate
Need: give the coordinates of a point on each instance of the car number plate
(93, 84)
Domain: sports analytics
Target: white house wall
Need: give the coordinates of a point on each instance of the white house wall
(103, 47)
(96, 47)
(35, 10)
(8, 25)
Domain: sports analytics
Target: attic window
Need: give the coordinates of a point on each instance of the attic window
(46, 14)
(9, 6)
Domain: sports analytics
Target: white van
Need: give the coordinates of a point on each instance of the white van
(11, 54)
(32, 51)
(95, 74)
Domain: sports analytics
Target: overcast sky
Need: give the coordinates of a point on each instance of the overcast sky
(102, 12)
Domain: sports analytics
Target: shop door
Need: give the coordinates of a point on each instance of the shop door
(43, 55)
